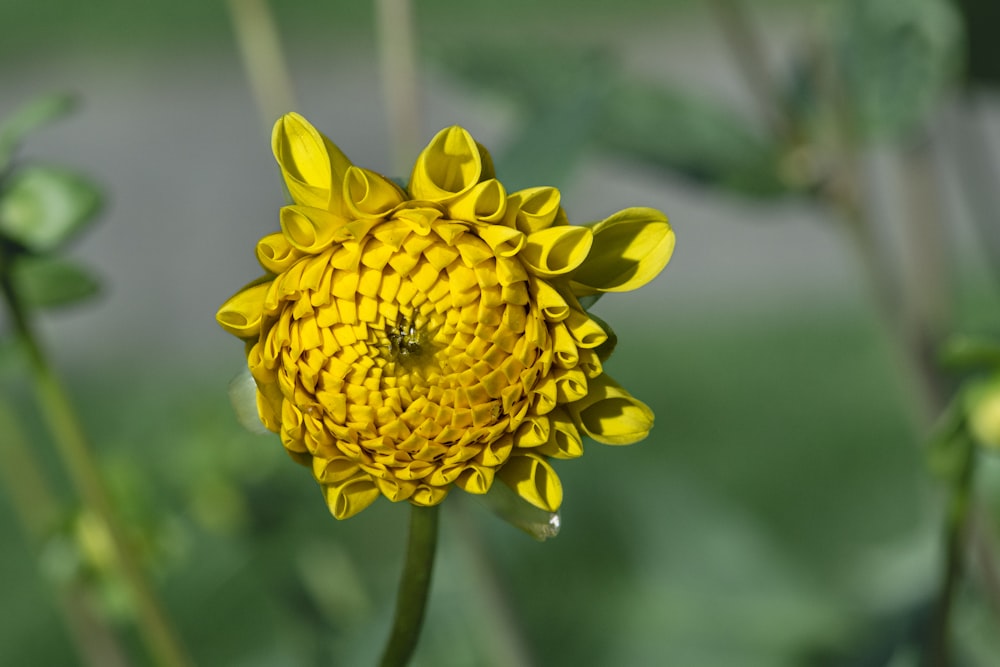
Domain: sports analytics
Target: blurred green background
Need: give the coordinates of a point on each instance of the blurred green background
(781, 512)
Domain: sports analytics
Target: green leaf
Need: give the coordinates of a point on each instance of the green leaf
(31, 116)
(48, 282)
(42, 207)
(896, 58)
(697, 138)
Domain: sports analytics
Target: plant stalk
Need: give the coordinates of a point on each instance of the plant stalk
(75, 453)
(37, 508)
(413, 587)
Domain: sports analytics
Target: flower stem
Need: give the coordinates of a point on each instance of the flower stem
(956, 529)
(413, 587)
(748, 55)
(75, 452)
(263, 58)
(37, 508)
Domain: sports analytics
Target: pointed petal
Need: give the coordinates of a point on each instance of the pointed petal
(312, 165)
(630, 249)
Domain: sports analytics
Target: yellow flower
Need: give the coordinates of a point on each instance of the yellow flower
(404, 342)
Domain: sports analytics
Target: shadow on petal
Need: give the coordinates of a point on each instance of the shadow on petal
(610, 415)
(630, 249)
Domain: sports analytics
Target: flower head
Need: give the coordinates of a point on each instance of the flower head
(404, 342)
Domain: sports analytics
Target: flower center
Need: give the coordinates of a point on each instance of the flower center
(406, 344)
(405, 349)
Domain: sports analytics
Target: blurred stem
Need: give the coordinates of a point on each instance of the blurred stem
(413, 587)
(397, 49)
(37, 509)
(263, 59)
(749, 59)
(75, 452)
(937, 653)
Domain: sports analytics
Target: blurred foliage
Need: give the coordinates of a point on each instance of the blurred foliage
(777, 516)
(679, 568)
(46, 282)
(879, 72)
(896, 58)
(42, 208)
(31, 116)
(980, 18)
(575, 101)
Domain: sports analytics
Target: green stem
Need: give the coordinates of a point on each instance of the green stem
(75, 452)
(263, 58)
(749, 57)
(956, 532)
(37, 508)
(413, 587)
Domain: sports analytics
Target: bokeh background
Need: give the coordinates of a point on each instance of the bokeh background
(781, 512)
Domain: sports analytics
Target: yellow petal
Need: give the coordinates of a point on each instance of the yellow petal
(395, 489)
(587, 333)
(553, 306)
(335, 470)
(564, 438)
(533, 209)
(348, 498)
(367, 194)
(276, 254)
(451, 164)
(241, 314)
(571, 384)
(485, 202)
(427, 495)
(533, 479)
(476, 479)
(311, 230)
(610, 415)
(533, 432)
(557, 250)
(630, 249)
(504, 241)
(313, 167)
